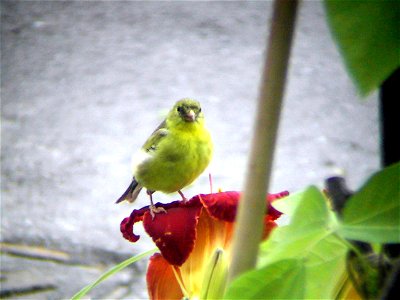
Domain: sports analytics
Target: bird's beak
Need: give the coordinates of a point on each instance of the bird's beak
(190, 116)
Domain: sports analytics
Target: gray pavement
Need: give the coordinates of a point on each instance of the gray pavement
(84, 83)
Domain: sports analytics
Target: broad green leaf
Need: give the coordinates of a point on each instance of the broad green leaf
(324, 255)
(312, 212)
(288, 204)
(368, 36)
(309, 210)
(111, 272)
(284, 279)
(310, 218)
(373, 214)
(310, 237)
(295, 245)
(326, 267)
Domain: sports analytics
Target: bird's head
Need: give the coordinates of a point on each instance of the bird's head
(187, 111)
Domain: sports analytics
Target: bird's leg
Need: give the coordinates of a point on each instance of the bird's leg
(154, 210)
(183, 196)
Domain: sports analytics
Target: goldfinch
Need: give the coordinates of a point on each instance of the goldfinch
(175, 154)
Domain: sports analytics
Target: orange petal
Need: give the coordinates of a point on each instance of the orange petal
(211, 234)
(161, 280)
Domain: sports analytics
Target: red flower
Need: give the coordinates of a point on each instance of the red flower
(188, 236)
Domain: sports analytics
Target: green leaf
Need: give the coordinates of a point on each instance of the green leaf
(111, 272)
(310, 221)
(309, 210)
(312, 211)
(373, 214)
(310, 237)
(281, 280)
(289, 204)
(367, 33)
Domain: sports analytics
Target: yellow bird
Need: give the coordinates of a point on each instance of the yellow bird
(175, 154)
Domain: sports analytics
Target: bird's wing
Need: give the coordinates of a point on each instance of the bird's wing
(157, 135)
(149, 146)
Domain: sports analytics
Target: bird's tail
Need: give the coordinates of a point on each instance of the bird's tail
(131, 192)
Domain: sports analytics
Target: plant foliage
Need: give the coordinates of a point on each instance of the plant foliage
(368, 36)
(316, 242)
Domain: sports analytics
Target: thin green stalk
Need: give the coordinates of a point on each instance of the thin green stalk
(111, 272)
(252, 205)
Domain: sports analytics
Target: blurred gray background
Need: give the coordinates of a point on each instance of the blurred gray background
(84, 83)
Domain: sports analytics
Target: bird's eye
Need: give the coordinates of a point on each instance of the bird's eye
(179, 109)
(199, 110)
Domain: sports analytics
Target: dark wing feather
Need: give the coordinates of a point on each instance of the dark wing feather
(134, 188)
(157, 135)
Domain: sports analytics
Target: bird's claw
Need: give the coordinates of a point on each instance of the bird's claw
(184, 199)
(155, 210)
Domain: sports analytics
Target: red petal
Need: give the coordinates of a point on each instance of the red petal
(174, 232)
(161, 280)
(223, 206)
(273, 213)
(273, 197)
(268, 227)
(126, 226)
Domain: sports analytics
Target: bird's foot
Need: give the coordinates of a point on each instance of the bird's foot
(155, 210)
(184, 199)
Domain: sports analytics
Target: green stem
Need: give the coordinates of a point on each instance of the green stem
(252, 205)
(111, 272)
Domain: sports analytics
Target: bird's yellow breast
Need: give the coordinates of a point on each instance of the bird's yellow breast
(177, 161)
